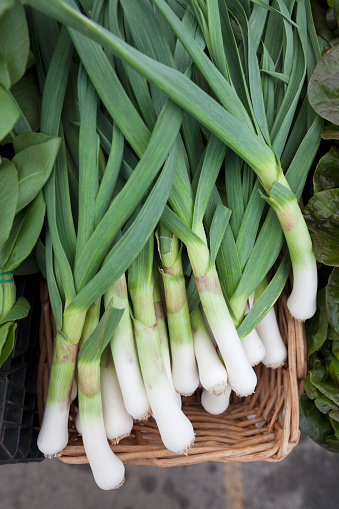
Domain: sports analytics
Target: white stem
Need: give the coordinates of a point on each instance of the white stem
(215, 404)
(163, 338)
(53, 436)
(241, 376)
(254, 348)
(268, 330)
(175, 429)
(125, 356)
(108, 470)
(130, 379)
(184, 368)
(213, 375)
(302, 303)
(118, 422)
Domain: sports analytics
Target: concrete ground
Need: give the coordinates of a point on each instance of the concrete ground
(307, 478)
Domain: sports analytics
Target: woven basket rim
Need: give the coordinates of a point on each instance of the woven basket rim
(261, 427)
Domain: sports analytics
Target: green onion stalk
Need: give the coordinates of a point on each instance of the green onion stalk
(228, 127)
(212, 372)
(175, 429)
(125, 355)
(253, 345)
(240, 375)
(184, 367)
(108, 470)
(268, 330)
(53, 436)
(302, 301)
(91, 322)
(163, 334)
(118, 422)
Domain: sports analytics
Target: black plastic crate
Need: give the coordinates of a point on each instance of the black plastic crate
(19, 421)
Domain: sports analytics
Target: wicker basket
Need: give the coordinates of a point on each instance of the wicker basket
(261, 427)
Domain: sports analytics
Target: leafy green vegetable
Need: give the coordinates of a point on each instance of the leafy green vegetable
(332, 299)
(323, 91)
(322, 218)
(316, 425)
(8, 197)
(326, 175)
(14, 41)
(316, 327)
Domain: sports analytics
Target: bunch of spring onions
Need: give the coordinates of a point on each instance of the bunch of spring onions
(186, 139)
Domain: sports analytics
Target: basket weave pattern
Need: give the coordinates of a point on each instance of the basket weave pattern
(261, 427)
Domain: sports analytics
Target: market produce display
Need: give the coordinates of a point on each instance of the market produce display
(175, 139)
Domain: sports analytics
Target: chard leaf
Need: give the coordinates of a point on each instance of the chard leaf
(14, 41)
(319, 18)
(324, 404)
(18, 311)
(333, 370)
(313, 423)
(310, 390)
(322, 218)
(332, 299)
(323, 91)
(316, 327)
(34, 166)
(8, 198)
(335, 349)
(331, 132)
(326, 175)
(329, 389)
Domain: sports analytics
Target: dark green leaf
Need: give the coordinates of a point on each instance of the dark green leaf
(9, 113)
(326, 175)
(331, 132)
(324, 404)
(335, 349)
(334, 414)
(332, 299)
(29, 233)
(316, 327)
(7, 338)
(34, 166)
(27, 266)
(18, 311)
(14, 41)
(329, 389)
(310, 390)
(319, 17)
(334, 370)
(322, 218)
(27, 96)
(323, 91)
(312, 422)
(8, 198)
(5, 79)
